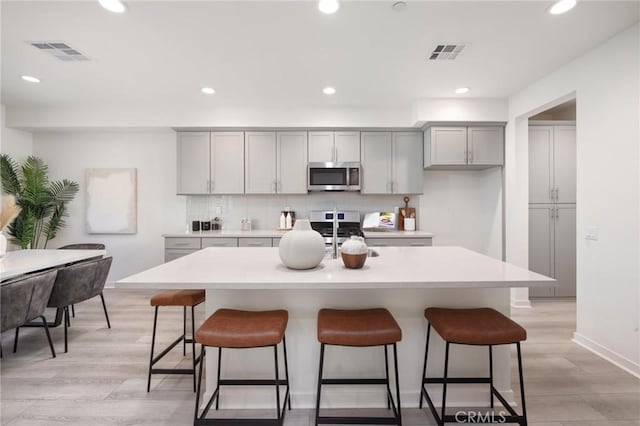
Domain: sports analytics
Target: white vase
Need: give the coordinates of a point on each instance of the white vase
(302, 247)
(3, 245)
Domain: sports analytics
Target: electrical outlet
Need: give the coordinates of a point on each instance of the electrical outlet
(218, 210)
(591, 233)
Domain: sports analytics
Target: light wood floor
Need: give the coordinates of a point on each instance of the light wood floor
(102, 380)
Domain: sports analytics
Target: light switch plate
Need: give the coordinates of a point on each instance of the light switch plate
(218, 210)
(591, 233)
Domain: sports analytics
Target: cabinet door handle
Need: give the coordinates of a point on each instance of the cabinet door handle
(212, 185)
(466, 156)
(470, 156)
(181, 244)
(255, 245)
(335, 153)
(557, 194)
(416, 244)
(551, 194)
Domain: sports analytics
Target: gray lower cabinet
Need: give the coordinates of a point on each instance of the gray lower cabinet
(254, 242)
(176, 247)
(219, 242)
(398, 242)
(552, 248)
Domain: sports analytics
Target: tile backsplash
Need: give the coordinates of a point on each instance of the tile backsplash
(264, 210)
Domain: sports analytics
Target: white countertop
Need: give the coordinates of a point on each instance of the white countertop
(20, 262)
(265, 233)
(395, 267)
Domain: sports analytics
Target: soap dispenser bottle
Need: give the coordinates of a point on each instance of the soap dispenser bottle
(283, 221)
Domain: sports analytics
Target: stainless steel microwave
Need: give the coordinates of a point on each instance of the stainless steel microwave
(334, 177)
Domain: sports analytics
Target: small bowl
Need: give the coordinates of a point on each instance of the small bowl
(354, 261)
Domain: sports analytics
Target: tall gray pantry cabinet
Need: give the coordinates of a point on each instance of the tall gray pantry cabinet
(552, 206)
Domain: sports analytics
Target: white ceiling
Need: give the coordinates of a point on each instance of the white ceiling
(283, 53)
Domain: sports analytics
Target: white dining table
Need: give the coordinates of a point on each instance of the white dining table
(20, 262)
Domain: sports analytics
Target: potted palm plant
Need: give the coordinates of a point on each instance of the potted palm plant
(43, 203)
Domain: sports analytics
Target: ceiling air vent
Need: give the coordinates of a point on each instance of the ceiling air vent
(446, 51)
(60, 50)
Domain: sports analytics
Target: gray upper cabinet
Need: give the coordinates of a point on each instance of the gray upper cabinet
(462, 147)
(227, 163)
(328, 147)
(485, 146)
(276, 163)
(552, 164)
(260, 163)
(193, 163)
(291, 164)
(210, 163)
(391, 163)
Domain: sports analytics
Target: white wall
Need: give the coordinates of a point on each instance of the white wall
(16, 143)
(606, 82)
(68, 154)
(464, 208)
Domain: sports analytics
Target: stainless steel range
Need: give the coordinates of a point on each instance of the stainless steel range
(348, 225)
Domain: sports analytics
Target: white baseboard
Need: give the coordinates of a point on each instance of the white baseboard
(520, 303)
(614, 358)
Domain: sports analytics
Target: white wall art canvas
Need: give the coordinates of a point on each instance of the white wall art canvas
(111, 201)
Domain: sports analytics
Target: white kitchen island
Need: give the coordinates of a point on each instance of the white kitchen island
(404, 280)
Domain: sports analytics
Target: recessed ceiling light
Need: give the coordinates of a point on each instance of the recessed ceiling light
(461, 90)
(208, 90)
(329, 91)
(115, 6)
(30, 79)
(328, 6)
(562, 6)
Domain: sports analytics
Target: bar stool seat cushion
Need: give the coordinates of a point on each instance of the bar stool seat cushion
(358, 327)
(178, 298)
(231, 328)
(482, 326)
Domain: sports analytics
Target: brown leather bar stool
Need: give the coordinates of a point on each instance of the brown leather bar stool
(235, 329)
(483, 327)
(360, 328)
(184, 298)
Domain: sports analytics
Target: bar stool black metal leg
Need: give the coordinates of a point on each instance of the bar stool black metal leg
(319, 382)
(153, 342)
(491, 374)
(524, 407)
(202, 353)
(104, 307)
(277, 380)
(46, 330)
(395, 363)
(193, 345)
(73, 311)
(386, 372)
(15, 340)
(444, 383)
(218, 382)
(424, 369)
(286, 366)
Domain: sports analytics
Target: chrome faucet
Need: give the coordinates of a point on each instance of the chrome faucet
(334, 244)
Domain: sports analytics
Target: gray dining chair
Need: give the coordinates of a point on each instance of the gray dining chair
(84, 246)
(77, 283)
(23, 300)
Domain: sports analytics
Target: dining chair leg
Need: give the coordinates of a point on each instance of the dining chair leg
(66, 322)
(104, 306)
(46, 330)
(15, 340)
